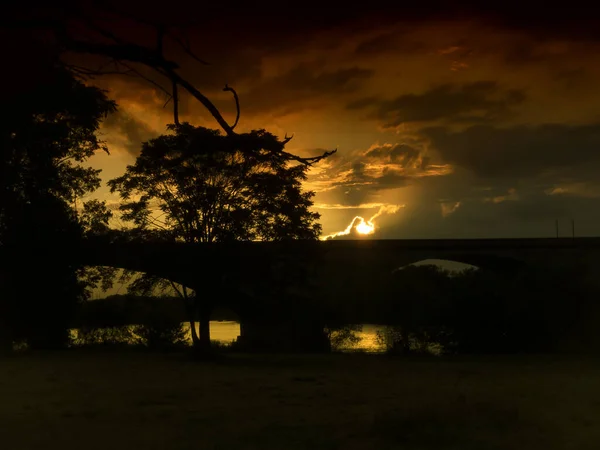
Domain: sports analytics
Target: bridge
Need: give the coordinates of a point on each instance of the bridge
(346, 270)
(333, 263)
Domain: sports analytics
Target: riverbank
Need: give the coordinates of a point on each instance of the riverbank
(101, 400)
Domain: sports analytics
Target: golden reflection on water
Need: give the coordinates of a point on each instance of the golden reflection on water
(228, 331)
(222, 331)
(368, 341)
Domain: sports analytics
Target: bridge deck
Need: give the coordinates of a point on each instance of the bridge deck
(467, 244)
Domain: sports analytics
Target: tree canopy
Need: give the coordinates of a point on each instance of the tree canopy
(199, 185)
(51, 128)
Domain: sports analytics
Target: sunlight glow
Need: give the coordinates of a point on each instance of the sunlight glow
(362, 226)
(365, 227)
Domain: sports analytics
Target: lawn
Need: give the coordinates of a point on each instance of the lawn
(88, 401)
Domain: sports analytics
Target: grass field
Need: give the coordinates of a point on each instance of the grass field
(88, 401)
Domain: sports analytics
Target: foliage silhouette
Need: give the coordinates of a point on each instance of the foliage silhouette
(197, 185)
(79, 30)
(114, 336)
(161, 333)
(284, 217)
(344, 336)
(48, 134)
(413, 303)
(538, 309)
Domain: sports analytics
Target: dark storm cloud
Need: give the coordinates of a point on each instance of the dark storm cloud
(576, 22)
(363, 103)
(358, 178)
(523, 52)
(403, 154)
(268, 19)
(577, 19)
(534, 214)
(304, 78)
(471, 102)
(521, 151)
(304, 83)
(533, 208)
(134, 131)
(272, 25)
(389, 43)
(572, 78)
(387, 179)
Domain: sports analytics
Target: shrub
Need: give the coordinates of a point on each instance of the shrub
(109, 336)
(161, 333)
(343, 337)
(395, 341)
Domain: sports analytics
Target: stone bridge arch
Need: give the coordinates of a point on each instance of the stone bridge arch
(348, 269)
(333, 264)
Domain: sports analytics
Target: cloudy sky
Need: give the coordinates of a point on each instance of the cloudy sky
(453, 123)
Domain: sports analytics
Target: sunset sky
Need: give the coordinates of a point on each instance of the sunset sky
(450, 124)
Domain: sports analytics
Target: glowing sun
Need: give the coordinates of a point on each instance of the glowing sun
(365, 227)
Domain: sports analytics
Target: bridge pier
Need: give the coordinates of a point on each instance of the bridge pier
(283, 335)
(346, 272)
(286, 323)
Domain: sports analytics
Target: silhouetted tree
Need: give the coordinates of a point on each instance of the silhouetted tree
(49, 131)
(82, 29)
(200, 186)
(536, 309)
(413, 303)
(94, 219)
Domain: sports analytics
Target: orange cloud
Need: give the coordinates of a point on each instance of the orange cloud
(458, 102)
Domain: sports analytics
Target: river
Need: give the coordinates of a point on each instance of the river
(228, 331)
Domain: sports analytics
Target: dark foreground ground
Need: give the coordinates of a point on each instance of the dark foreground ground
(89, 401)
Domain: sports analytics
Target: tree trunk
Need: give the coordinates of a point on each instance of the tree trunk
(195, 339)
(190, 309)
(204, 313)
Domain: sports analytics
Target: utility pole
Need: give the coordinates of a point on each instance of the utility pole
(573, 228)
(557, 228)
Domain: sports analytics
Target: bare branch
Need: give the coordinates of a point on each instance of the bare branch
(175, 104)
(126, 52)
(103, 66)
(85, 72)
(308, 161)
(174, 76)
(101, 31)
(287, 139)
(119, 52)
(160, 34)
(137, 73)
(237, 104)
(137, 54)
(185, 45)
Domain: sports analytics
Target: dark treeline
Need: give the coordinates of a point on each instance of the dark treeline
(128, 309)
(50, 130)
(473, 311)
(537, 309)
(190, 185)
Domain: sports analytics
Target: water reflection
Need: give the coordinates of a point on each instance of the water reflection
(368, 341)
(228, 331)
(223, 331)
